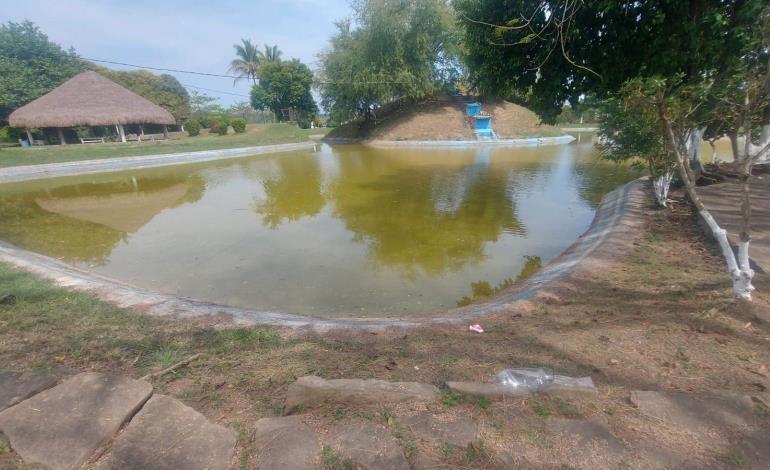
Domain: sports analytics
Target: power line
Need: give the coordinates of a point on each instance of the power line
(214, 91)
(237, 77)
(161, 69)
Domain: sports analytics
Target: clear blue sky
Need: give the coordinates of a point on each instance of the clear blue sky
(183, 34)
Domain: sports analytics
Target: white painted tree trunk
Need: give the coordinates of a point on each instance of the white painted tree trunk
(660, 187)
(764, 139)
(693, 145)
(741, 273)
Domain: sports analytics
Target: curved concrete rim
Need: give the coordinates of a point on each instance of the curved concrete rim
(528, 142)
(84, 167)
(615, 219)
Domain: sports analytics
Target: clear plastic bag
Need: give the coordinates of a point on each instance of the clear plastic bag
(541, 380)
(533, 379)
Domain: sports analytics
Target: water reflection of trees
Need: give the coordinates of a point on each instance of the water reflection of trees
(432, 218)
(294, 193)
(597, 177)
(84, 222)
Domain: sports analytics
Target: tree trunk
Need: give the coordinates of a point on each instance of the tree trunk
(660, 187)
(741, 277)
(694, 144)
(734, 145)
(744, 287)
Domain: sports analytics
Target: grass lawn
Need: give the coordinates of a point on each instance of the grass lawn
(256, 134)
(662, 318)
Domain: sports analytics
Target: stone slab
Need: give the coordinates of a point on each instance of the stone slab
(285, 443)
(458, 432)
(18, 386)
(60, 428)
(367, 445)
(498, 391)
(696, 411)
(310, 391)
(168, 435)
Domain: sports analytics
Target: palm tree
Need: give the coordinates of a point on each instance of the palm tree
(272, 54)
(247, 64)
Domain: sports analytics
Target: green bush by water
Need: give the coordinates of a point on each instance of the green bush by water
(239, 125)
(193, 127)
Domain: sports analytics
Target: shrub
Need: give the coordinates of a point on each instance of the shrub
(218, 126)
(303, 123)
(193, 127)
(10, 134)
(239, 125)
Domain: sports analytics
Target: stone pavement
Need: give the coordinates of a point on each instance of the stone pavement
(62, 427)
(94, 420)
(723, 201)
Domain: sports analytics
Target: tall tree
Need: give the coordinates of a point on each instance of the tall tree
(272, 54)
(163, 90)
(31, 65)
(246, 64)
(546, 52)
(388, 50)
(284, 85)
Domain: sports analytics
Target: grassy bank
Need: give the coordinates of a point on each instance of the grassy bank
(256, 134)
(661, 318)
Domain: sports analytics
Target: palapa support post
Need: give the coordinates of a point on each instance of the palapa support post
(29, 137)
(121, 132)
(165, 131)
(61, 136)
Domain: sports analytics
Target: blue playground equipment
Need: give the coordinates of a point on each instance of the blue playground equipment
(482, 123)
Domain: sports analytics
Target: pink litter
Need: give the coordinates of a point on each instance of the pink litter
(476, 327)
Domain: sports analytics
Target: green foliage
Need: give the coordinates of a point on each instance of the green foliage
(10, 134)
(249, 60)
(246, 64)
(449, 398)
(193, 127)
(239, 125)
(203, 104)
(284, 85)
(31, 65)
(597, 53)
(483, 289)
(304, 122)
(163, 90)
(218, 125)
(399, 49)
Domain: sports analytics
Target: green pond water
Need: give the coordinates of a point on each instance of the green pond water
(340, 231)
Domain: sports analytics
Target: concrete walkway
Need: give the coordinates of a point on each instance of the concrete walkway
(52, 170)
(723, 200)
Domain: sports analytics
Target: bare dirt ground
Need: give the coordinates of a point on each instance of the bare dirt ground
(444, 119)
(660, 318)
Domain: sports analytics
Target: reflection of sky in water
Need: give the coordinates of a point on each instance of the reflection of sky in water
(345, 230)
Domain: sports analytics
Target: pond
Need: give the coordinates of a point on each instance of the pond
(342, 231)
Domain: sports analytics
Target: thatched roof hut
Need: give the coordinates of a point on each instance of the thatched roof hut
(89, 99)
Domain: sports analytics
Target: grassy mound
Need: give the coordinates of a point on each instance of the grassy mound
(443, 118)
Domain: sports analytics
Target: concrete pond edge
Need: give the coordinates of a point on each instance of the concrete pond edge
(618, 221)
(85, 167)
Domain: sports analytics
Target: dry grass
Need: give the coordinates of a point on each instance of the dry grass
(444, 119)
